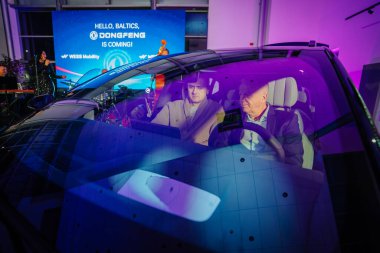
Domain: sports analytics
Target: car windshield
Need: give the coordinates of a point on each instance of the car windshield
(294, 79)
(230, 148)
(228, 98)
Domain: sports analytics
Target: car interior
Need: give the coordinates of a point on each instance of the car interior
(287, 93)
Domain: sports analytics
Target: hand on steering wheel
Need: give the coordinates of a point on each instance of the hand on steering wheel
(216, 138)
(267, 137)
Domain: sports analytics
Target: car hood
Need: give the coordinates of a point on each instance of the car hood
(68, 109)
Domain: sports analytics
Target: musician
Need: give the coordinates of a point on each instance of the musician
(6, 83)
(47, 79)
(163, 50)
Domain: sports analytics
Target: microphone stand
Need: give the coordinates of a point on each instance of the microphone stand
(35, 69)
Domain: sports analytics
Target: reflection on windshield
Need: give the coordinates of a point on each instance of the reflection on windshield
(264, 107)
(272, 118)
(254, 133)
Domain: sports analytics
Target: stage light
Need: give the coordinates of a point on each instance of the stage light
(369, 10)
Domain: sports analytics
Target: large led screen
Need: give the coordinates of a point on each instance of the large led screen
(92, 41)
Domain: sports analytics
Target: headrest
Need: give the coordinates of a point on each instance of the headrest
(201, 81)
(283, 92)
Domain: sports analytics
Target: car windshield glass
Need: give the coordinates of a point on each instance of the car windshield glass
(214, 99)
(97, 78)
(223, 143)
(265, 102)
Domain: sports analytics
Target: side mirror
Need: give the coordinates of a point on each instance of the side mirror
(39, 102)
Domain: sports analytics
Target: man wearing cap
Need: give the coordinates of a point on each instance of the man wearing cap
(195, 116)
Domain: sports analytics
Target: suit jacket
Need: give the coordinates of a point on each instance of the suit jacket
(196, 128)
(284, 127)
(7, 83)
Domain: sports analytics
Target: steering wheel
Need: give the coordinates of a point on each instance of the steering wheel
(223, 138)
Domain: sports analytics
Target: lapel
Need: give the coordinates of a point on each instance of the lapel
(271, 120)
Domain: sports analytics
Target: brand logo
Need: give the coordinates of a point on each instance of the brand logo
(93, 35)
(116, 58)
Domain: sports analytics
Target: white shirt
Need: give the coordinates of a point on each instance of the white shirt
(252, 140)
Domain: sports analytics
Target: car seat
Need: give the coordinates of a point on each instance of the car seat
(283, 95)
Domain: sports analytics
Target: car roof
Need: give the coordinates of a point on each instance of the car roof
(206, 58)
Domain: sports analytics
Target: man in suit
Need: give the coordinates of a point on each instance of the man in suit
(283, 125)
(7, 82)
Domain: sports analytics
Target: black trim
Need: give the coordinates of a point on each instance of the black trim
(367, 129)
(339, 122)
(298, 44)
